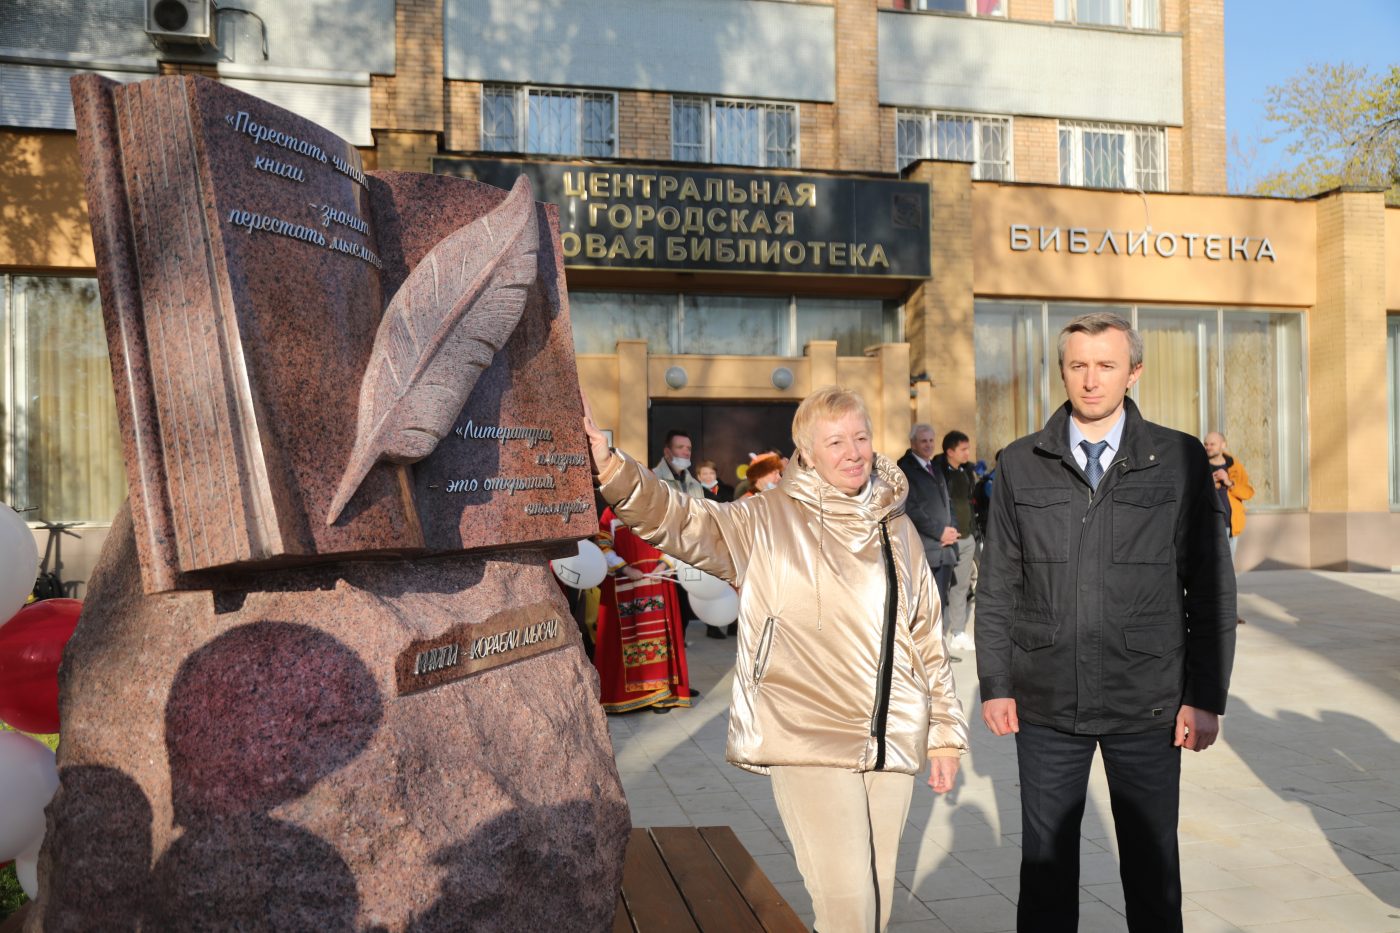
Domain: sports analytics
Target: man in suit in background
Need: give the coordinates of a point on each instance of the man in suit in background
(929, 508)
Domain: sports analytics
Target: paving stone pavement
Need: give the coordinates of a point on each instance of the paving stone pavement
(1290, 823)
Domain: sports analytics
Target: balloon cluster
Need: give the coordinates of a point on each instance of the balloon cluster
(713, 601)
(31, 647)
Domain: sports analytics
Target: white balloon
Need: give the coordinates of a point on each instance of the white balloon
(19, 562)
(584, 570)
(593, 566)
(27, 868)
(28, 779)
(718, 611)
(698, 583)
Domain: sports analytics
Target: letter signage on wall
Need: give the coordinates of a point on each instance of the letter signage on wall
(1026, 238)
(645, 217)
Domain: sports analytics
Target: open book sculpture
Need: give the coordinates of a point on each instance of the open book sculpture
(324, 678)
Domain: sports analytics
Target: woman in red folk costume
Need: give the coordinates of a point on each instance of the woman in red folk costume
(640, 652)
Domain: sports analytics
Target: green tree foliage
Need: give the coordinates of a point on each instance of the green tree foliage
(1342, 125)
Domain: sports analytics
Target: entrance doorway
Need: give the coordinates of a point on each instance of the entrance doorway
(725, 432)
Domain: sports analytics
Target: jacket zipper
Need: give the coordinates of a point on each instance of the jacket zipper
(885, 672)
(765, 644)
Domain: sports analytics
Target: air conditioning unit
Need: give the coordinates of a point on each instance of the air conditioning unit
(180, 22)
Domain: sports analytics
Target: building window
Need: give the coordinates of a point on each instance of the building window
(548, 121)
(1104, 155)
(733, 132)
(1239, 372)
(1136, 14)
(983, 141)
(970, 7)
(731, 325)
(1392, 365)
(61, 444)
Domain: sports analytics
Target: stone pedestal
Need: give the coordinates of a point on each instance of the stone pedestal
(241, 759)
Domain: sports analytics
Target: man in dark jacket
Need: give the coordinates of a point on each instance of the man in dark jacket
(1105, 619)
(929, 508)
(954, 466)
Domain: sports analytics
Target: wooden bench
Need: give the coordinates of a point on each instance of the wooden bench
(687, 879)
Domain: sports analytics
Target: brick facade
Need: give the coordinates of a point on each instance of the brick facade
(644, 126)
(461, 130)
(1036, 10)
(817, 135)
(857, 88)
(855, 133)
(409, 104)
(1348, 488)
(1035, 150)
(938, 315)
(1203, 98)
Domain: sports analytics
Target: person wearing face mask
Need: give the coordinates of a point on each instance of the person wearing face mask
(842, 691)
(708, 474)
(764, 474)
(674, 467)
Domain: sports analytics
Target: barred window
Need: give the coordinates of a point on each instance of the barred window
(982, 140)
(548, 121)
(1137, 14)
(733, 132)
(1104, 155)
(970, 7)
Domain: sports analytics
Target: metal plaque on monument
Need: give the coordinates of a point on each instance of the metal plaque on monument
(324, 678)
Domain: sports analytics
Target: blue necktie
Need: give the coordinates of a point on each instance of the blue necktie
(1093, 466)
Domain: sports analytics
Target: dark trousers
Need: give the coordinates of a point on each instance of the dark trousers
(943, 579)
(1144, 786)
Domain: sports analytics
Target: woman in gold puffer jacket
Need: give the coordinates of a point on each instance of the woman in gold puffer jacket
(842, 687)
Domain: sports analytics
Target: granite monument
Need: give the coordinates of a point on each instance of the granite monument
(324, 678)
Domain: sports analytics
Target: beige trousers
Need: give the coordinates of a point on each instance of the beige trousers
(845, 831)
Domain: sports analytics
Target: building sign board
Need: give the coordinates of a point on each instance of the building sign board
(683, 219)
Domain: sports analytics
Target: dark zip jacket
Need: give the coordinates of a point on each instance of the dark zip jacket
(1103, 611)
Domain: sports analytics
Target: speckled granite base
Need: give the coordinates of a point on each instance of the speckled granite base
(241, 759)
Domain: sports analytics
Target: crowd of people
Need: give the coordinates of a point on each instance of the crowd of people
(1089, 570)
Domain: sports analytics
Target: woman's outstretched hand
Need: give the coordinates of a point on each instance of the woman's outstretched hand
(597, 442)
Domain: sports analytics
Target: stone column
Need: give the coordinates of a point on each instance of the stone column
(858, 128)
(1349, 497)
(1202, 24)
(407, 106)
(892, 428)
(821, 363)
(938, 316)
(632, 396)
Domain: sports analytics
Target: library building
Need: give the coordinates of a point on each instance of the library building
(905, 198)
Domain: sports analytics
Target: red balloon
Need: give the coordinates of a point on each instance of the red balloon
(31, 646)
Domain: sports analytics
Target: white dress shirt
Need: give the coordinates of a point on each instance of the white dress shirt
(1114, 438)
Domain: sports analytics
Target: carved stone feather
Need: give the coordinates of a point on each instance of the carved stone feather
(440, 332)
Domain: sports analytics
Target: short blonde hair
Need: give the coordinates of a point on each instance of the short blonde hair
(825, 404)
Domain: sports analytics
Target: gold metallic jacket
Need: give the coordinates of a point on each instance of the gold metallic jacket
(829, 672)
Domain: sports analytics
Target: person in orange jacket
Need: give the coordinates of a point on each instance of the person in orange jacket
(1231, 484)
